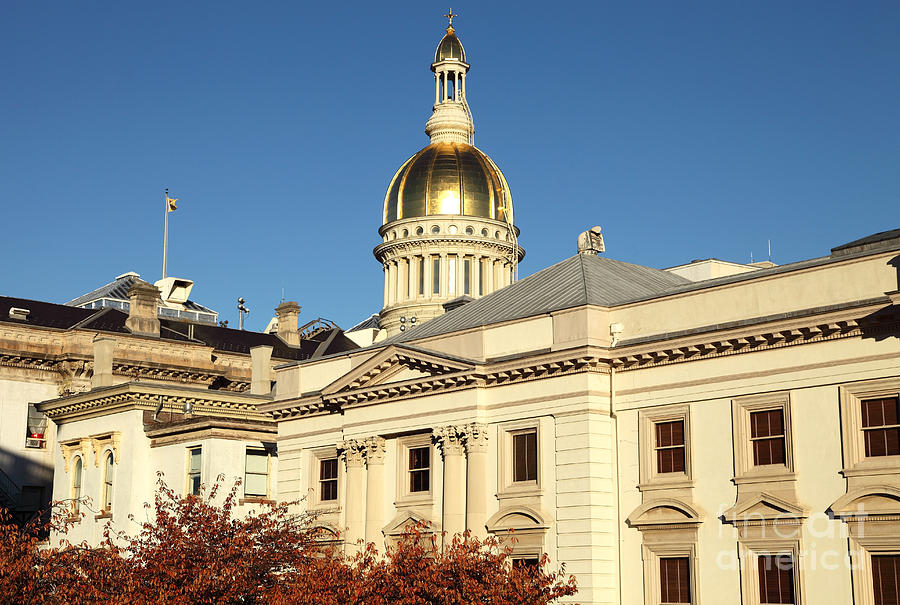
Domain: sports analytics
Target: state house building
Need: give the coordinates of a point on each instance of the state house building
(714, 432)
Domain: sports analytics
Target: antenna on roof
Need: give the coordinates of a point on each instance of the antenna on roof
(282, 290)
(242, 311)
(770, 250)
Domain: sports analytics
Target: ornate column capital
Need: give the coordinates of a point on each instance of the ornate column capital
(450, 439)
(374, 450)
(476, 437)
(353, 452)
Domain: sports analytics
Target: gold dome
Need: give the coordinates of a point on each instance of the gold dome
(450, 48)
(448, 178)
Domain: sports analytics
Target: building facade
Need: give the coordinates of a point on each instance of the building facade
(714, 433)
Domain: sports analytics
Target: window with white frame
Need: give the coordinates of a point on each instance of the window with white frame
(670, 574)
(77, 477)
(35, 429)
(256, 473)
(519, 449)
(414, 465)
(194, 470)
(665, 446)
(324, 478)
(870, 424)
(108, 476)
(762, 436)
(770, 575)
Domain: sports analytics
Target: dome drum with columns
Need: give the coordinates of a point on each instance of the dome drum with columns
(448, 215)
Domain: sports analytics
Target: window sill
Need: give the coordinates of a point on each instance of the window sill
(881, 465)
(104, 515)
(425, 498)
(527, 490)
(757, 475)
(256, 500)
(658, 484)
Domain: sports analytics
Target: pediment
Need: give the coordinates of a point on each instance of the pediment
(764, 507)
(870, 500)
(517, 518)
(407, 520)
(396, 364)
(664, 511)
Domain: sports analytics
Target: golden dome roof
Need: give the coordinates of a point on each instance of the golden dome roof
(450, 48)
(448, 178)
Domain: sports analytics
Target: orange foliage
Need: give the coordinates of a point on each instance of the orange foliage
(191, 550)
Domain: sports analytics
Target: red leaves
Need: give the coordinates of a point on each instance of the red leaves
(191, 550)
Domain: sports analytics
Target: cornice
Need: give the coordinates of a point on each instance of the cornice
(161, 398)
(443, 242)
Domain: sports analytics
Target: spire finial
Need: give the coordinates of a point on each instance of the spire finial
(450, 14)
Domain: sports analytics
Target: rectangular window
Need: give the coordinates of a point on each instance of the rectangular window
(767, 437)
(886, 579)
(419, 469)
(451, 276)
(421, 275)
(35, 429)
(776, 579)
(256, 473)
(670, 446)
(674, 580)
(467, 276)
(436, 275)
(482, 275)
(525, 456)
(328, 480)
(194, 459)
(881, 427)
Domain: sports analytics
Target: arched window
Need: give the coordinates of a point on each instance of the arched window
(76, 484)
(108, 481)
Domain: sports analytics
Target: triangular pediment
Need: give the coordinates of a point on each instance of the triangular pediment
(397, 364)
(764, 507)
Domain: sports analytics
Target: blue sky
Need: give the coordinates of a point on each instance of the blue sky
(686, 130)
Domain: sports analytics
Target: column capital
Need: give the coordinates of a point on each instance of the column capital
(450, 439)
(476, 437)
(374, 450)
(353, 452)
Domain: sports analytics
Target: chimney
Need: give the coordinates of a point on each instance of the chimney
(287, 314)
(103, 361)
(260, 370)
(142, 314)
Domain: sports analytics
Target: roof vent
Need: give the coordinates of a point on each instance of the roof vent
(591, 241)
(18, 313)
(128, 274)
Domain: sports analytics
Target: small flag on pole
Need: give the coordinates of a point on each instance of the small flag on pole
(171, 203)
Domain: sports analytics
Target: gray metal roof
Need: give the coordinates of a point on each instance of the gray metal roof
(579, 280)
(371, 322)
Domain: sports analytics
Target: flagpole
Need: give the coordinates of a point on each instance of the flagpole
(165, 230)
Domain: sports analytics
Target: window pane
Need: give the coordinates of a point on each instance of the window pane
(195, 459)
(255, 485)
(328, 469)
(467, 276)
(421, 276)
(525, 456)
(419, 458)
(768, 451)
(436, 275)
(776, 579)
(767, 423)
(108, 482)
(670, 433)
(880, 412)
(675, 580)
(886, 579)
(257, 461)
(670, 460)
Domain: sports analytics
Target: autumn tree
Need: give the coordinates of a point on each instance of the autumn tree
(192, 549)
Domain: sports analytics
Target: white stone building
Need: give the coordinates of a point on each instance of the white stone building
(720, 433)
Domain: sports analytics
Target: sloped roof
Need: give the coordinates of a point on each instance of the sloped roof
(369, 323)
(118, 290)
(64, 317)
(579, 280)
